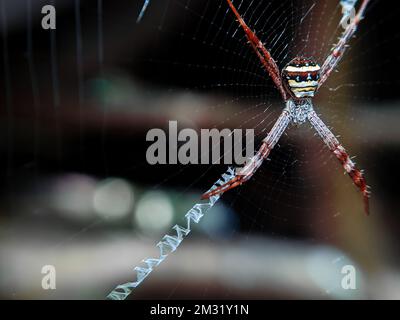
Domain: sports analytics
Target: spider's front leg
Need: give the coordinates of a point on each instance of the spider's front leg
(244, 174)
(339, 49)
(263, 54)
(334, 145)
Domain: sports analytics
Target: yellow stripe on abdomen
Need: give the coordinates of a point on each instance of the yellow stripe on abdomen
(305, 89)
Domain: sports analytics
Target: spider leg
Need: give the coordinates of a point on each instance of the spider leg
(338, 150)
(339, 49)
(244, 174)
(262, 53)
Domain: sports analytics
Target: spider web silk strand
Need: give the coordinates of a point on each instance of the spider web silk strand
(141, 14)
(170, 243)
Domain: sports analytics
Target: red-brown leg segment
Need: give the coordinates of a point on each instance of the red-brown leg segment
(263, 54)
(244, 174)
(339, 49)
(334, 145)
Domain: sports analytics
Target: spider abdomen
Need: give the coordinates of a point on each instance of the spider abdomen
(301, 77)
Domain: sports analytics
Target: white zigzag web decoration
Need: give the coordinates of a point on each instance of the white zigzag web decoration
(170, 243)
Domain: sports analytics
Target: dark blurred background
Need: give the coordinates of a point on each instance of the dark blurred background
(76, 191)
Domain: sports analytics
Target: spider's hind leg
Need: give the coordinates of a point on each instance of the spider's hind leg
(338, 150)
(244, 174)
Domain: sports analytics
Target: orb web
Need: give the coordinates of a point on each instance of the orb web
(201, 44)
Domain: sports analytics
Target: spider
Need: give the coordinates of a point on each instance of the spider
(298, 83)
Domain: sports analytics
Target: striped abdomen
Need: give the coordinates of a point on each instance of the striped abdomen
(301, 77)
